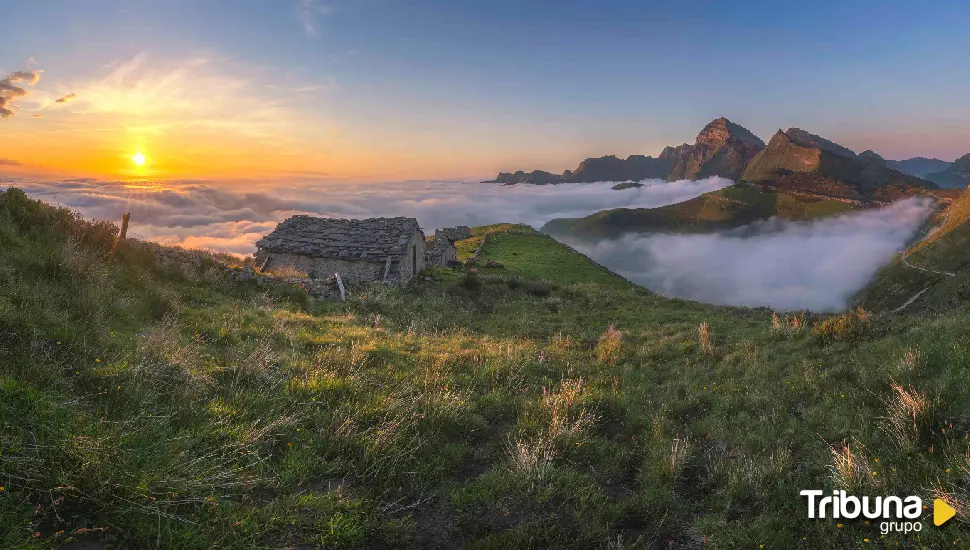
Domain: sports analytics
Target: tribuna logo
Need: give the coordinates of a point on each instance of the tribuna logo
(842, 506)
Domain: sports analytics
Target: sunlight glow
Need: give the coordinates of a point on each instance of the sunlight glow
(138, 158)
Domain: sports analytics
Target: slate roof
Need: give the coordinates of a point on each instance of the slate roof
(372, 239)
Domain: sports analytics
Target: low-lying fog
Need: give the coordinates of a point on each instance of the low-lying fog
(233, 216)
(783, 265)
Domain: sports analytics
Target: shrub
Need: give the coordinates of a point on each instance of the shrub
(471, 281)
(850, 326)
(539, 289)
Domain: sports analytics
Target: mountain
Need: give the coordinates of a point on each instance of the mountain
(734, 206)
(805, 139)
(956, 174)
(722, 149)
(810, 163)
(536, 177)
(872, 157)
(611, 168)
(919, 166)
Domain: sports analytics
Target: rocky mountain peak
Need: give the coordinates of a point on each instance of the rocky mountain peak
(720, 130)
(806, 139)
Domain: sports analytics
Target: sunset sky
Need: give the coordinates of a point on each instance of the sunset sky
(436, 89)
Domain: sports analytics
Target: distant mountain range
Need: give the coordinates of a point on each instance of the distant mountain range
(794, 159)
(919, 166)
(957, 174)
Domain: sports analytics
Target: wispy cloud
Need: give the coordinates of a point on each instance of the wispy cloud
(307, 12)
(10, 162)
(65, 99)
(10, 91)
(155, 94)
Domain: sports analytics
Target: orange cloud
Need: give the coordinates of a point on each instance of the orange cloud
(9, 92)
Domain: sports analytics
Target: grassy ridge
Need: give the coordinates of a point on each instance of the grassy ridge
(944, 251)
(734, 206)
(151, 407)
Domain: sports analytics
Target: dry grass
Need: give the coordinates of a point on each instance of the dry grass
(851, 466)
(908, 412)
(789, 325)
(680, 449)
(532, 461)
(608, 346)
(850, 326)
(705, 336)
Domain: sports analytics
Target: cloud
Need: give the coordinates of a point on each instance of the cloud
(307, 12)
(232, 218)
(10, 162)
(156, 94)
(783, 265)
(10, 92)
(66, 98)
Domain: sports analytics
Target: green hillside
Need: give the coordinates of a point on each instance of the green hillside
(172, 407)
(733, 206)
(936, 271)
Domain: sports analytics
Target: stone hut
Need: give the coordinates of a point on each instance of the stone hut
(440, 251)
(458, 233)
(375, 249)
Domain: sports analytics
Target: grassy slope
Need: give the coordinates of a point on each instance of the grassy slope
(175, 408)
(945, 250)
(730, 207)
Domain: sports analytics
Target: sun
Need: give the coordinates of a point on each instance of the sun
(139, 158)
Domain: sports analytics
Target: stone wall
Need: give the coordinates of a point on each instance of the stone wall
(413, 258)
(321, 268)
(458, 233)
(351, 271)
(440, 251)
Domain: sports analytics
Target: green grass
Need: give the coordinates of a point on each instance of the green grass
(174, 408)
(945, 250)
(538, 256)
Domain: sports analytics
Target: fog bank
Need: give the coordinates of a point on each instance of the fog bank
(780, 264)
(233, 216)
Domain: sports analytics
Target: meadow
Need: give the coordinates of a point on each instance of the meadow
(544, 404)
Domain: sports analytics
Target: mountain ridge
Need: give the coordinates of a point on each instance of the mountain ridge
(722, 148)
(808, 162)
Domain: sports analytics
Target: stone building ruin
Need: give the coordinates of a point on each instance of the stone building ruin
(458, 233)
(374, 249)
(440, 251)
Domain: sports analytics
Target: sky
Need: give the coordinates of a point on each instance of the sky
(388, 90)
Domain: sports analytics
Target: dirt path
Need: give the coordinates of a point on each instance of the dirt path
(906, 263)
(928, 235)
(911, 300)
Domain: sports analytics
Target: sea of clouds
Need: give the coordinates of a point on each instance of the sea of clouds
(784, 265)
(233, 216)
(781, 264)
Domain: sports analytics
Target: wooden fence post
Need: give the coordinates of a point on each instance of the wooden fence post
(121, 234)
(340, 284)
